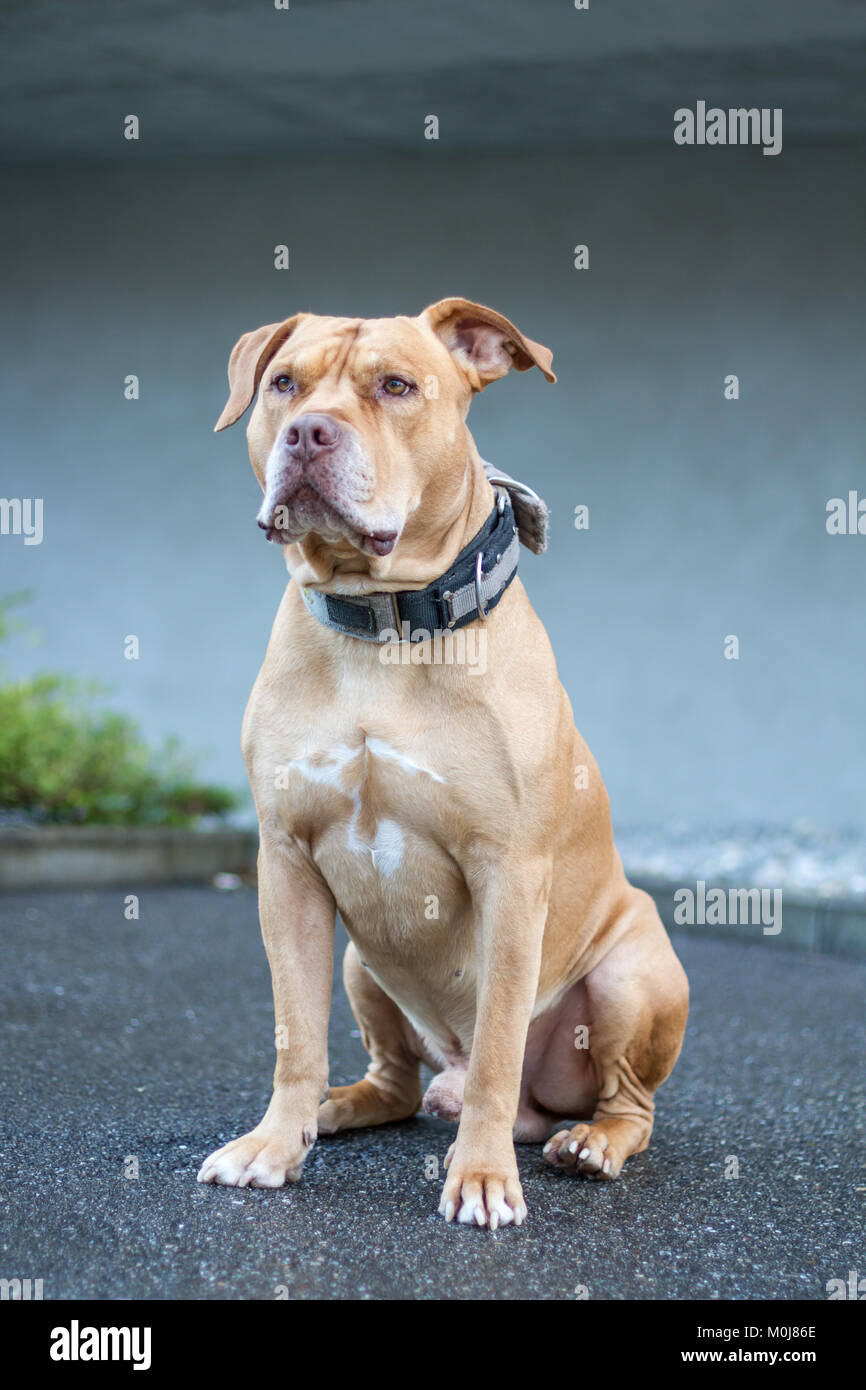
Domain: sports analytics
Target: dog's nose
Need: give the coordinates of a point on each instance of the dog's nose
(311, 435)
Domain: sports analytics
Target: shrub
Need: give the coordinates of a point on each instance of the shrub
(63, 759)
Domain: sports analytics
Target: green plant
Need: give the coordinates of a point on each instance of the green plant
(63, 759)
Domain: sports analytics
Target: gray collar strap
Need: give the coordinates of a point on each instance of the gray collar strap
(470, 589)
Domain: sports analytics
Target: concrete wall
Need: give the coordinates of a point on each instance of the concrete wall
(707, 515)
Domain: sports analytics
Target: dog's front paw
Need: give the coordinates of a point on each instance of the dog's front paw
(258, 1159)
(482, 1193)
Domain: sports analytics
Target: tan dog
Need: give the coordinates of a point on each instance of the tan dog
(457, 821)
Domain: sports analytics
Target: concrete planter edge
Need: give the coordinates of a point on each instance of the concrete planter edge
(71, 857)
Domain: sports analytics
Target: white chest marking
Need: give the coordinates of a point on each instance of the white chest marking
(387, 848)
(380, 749)
(389, 842)
(328, 774)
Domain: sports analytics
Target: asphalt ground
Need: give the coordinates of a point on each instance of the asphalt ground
(139, 1046)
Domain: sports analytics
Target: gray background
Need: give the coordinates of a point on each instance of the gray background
(707, 515)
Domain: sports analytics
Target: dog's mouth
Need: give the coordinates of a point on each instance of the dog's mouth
(306, 511)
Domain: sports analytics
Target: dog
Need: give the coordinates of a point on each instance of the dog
(456, 820)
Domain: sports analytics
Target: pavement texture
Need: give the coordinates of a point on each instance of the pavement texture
(151, 1040)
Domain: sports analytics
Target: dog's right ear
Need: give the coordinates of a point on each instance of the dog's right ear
(250, 355)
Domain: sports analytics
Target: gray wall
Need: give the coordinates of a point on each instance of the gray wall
(707, 516)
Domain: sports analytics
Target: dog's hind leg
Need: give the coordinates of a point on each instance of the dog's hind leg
(638, 1003)
(391, 1090)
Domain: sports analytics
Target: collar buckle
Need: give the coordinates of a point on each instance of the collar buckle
(479, 597)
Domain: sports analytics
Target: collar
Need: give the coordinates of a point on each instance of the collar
(470, 589)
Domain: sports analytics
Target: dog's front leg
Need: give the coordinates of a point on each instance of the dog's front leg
(297, 914)
(482, 1186)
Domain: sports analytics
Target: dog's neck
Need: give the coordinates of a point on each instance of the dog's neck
(469, 589)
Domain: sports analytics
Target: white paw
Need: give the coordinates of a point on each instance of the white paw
(256, 1160)
(476, 1198)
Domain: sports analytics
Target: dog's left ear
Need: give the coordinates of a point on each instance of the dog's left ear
(250, 355)
(484, 344)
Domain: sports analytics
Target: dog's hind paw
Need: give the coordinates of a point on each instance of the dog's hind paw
(587, 1149)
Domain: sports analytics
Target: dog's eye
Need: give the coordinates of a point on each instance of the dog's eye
(396, 386)
(283, 383)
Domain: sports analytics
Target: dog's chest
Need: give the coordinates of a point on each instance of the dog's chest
(375, 817)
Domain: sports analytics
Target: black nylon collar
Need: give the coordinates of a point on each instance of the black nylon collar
(446, 604)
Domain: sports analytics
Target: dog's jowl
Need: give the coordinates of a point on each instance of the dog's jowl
(434, 802)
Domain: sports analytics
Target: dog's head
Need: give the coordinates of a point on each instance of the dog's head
(358, 434)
